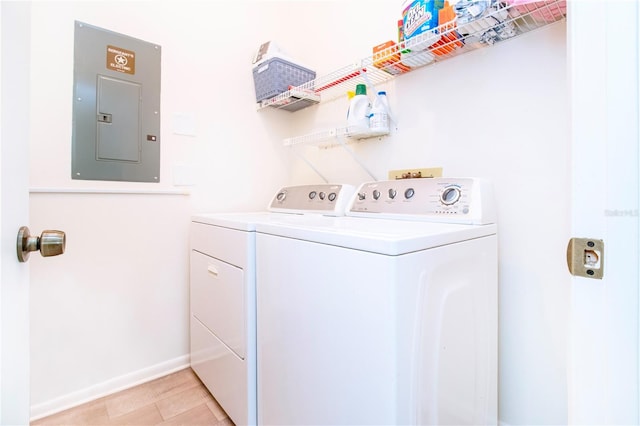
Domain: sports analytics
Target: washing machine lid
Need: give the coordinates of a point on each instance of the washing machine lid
(383, 236)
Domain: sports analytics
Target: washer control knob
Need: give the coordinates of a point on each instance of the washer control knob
(409, 193)
(376, 194)
(312, 195)
(450, 195)
(281, 196)
(361, 196)
(322, 195)
(332, 196)
(392, 193)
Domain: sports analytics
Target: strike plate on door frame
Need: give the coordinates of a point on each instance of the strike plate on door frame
(585, 257)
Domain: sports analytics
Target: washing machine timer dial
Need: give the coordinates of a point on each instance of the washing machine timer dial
(450, 195)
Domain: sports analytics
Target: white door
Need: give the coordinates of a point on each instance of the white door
(603, 347)
(14, 279)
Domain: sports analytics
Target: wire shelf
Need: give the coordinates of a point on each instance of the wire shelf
(332, 137)
(503, 21)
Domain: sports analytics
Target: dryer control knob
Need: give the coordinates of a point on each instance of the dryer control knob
(450, 195)
(409, 193)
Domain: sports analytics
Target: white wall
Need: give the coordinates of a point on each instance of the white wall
(113, 309)
(513, 127)
(110, 311)
(500, 113)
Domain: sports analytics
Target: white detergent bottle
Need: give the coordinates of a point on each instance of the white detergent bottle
(358, 114)
(379, 121)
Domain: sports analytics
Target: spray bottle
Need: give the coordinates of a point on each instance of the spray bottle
(379, 121)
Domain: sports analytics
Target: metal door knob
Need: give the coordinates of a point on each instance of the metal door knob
(49, 243)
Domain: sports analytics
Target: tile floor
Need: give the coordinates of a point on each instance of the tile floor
(177, 399)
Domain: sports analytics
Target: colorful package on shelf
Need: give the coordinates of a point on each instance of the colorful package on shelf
(387, 58)
(545, 11)
(410, 57)
(483, 21)
(419, 21)
(450, 39)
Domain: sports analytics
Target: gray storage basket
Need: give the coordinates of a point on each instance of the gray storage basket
(275, 75)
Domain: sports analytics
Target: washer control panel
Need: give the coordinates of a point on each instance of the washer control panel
(328, 199)
(453, 200)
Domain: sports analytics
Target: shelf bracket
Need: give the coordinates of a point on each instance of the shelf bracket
(353, 155)
(340, 137)
(314, 168)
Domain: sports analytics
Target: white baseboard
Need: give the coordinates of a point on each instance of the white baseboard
(108, 387)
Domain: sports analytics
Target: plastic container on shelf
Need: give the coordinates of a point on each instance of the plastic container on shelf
(449, 40)
(380, 113)
(387, 58)
(358, 114)
(276, 75)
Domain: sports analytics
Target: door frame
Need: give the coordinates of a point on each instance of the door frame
(604, 330)
(14, 179)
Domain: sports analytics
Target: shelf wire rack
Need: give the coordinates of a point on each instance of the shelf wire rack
(504, 20)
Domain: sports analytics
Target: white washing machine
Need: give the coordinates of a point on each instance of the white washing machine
(222, 291)
(386, 316)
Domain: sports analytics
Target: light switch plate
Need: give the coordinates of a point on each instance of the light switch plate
(184, 124)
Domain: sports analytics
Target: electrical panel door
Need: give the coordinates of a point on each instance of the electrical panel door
(116, 107)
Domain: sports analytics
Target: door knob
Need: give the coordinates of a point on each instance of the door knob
(49, 243)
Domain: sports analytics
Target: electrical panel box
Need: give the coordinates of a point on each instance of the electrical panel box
(116, 107)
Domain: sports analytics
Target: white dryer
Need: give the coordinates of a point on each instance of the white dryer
(386, 316)
(222, 291)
